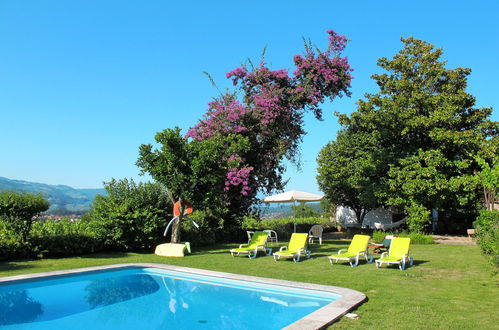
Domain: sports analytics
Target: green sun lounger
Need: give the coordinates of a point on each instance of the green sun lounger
(357, 249)
(398, 253)
(298, 247)
(257, 243)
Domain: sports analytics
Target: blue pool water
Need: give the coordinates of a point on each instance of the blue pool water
(152, 298)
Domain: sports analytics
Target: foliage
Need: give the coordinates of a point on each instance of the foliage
(416, 238)
(285, 226)
(269, 117)
(487, 234)
(426, 131)
(10, 245)
(132, 216)
(348, 172)
(190, 170)
(17, 211)
(328, 207)
(64, 238)
(379, 236)
(304, 210)
(49, 239)
(489, 178)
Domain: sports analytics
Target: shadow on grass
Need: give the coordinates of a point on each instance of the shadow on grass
(12, 266)
(107, 255)
(419, 262)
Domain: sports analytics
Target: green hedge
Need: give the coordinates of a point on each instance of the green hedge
(487, 234)
(64, 238)
(50, 238)
(416, 238)
(284, 226)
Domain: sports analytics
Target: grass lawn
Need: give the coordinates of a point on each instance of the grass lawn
(449, 286)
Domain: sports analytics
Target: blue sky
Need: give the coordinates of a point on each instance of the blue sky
(84, 83)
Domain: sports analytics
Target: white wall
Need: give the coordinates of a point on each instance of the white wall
(346, 216)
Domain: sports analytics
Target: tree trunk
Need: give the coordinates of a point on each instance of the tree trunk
(176, 230)
(359, 214)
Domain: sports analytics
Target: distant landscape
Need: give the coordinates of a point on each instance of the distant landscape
(64, 200)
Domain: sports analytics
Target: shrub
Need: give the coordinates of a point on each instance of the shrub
(284, 226)
(10, 246)
(204, 235)
(379, 235)
(64, 238)
(416, 238)
(132, 216)
(17, 211)
(50, 238)
(487, 234)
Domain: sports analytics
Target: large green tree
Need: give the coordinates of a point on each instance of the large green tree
(348, 172)
(427, 130)
(190, 170)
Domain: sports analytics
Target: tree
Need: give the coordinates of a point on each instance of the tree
(304, 210)
(190, 170)
(18, 211)
(269, 116)
(348, 172)
(428, 130)
(488, 176)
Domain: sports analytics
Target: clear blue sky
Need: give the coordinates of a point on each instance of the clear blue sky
(84, 83)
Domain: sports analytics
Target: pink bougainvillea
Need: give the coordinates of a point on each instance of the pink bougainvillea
(270, 113)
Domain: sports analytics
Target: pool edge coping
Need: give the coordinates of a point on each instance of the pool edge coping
(319, 319)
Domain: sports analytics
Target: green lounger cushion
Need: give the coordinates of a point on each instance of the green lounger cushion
(298, 241)
(259, 238)
(356, 249)
(345, 255)
(398, 253)
(390, 259)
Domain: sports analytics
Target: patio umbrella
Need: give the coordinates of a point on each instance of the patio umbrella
(293, 196)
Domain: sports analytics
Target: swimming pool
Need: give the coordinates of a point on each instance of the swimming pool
(152, 296)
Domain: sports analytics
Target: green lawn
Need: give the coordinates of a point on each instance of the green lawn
(449, 287)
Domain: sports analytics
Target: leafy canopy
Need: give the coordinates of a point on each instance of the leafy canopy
(269, 116)
(426, 130)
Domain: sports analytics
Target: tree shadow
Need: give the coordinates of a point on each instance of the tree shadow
(12, 266)
(106, 255)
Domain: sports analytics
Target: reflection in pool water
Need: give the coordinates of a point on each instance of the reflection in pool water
(107, 291)
(23, 305)
(18, 307)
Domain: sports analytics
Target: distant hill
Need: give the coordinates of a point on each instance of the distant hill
(62, 199)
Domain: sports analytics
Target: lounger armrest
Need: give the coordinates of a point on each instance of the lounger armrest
(242, 245)
(339, 252)
(283, 248)
(383, 254)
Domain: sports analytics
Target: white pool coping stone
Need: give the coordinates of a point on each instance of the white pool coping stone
(319, 319)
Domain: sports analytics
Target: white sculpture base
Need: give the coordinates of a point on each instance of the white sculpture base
(171, 250)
